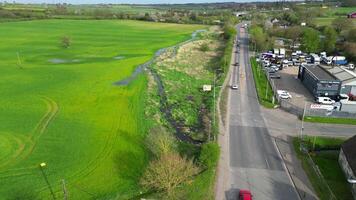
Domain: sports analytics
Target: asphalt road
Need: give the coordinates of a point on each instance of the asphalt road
(255, 163)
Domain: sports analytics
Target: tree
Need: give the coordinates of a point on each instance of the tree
(341, 24)
(259, 37)
(66, 41)
(209, 155)
(168, 172)
(160, 142)
(351, 35)
(330, 39)
(311, 40)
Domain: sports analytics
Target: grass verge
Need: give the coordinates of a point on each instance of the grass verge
(262, 85)
(330, 120)
(327, 162)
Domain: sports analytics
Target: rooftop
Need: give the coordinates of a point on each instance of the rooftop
(319, 72)
(349, 149)
(344, 75)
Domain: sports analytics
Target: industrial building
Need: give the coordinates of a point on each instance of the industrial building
(346, 76)
(319, 81)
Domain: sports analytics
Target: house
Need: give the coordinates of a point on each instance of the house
(347, 161)
(352, 15)
(319, 81)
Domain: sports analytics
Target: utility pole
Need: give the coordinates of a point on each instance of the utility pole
(267, 86)
(65, 193)
(302, 128)
(42, 166)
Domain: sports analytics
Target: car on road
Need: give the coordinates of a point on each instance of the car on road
(325, 100)
(245, 195)
(282, 94)
(236, 63)
(234, 86)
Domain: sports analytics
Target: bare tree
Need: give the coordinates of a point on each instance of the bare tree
(168, 172)
(160, 142)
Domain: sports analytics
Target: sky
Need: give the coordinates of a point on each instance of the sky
(128, 1)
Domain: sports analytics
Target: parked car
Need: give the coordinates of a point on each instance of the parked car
(245, 195)
(325, 100)
(283, 94)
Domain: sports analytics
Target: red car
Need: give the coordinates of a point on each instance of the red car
(245, 195)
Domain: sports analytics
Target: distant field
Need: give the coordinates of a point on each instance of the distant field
(60, 106)
(332, 13)
(325, 21)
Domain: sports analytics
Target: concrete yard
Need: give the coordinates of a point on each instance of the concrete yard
(292, 84)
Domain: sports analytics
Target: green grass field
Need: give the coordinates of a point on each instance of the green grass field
(60, 106)
(330, 120)
(331, 13)
(261, 83)
(327, 162)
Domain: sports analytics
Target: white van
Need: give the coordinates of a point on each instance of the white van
(325, 100)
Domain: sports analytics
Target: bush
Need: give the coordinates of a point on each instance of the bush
(168, 172)
(204, 47)
(209, 155)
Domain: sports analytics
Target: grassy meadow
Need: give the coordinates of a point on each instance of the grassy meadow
(59, 106)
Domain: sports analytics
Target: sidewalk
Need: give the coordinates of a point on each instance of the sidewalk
(295, 169)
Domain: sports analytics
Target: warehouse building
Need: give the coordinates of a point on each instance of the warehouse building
(346, 76)
(319, 81)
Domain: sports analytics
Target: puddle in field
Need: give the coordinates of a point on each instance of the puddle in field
(61, 61)
(164, 107)
(119, 57)
(144, 66)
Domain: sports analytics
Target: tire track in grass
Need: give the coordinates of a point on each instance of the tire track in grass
(97, 160)
(27, 144)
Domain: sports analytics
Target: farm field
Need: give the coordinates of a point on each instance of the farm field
(60, 106)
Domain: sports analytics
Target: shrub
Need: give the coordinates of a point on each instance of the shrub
(204, 47)
(168, 172)
(209, 155)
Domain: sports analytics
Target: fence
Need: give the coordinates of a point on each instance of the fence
(291, 108)
(322, 186)
(329, 113)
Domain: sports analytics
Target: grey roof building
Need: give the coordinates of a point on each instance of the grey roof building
(347, 78)
(319, 81)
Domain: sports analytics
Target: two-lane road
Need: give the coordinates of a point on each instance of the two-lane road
(255, 163)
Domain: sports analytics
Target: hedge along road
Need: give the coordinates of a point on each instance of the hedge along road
(90, 131)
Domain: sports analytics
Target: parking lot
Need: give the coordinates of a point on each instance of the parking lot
(292, 84)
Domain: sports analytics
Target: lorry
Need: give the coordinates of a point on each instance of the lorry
(315, 59)
(282, 52)
(339, 60)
